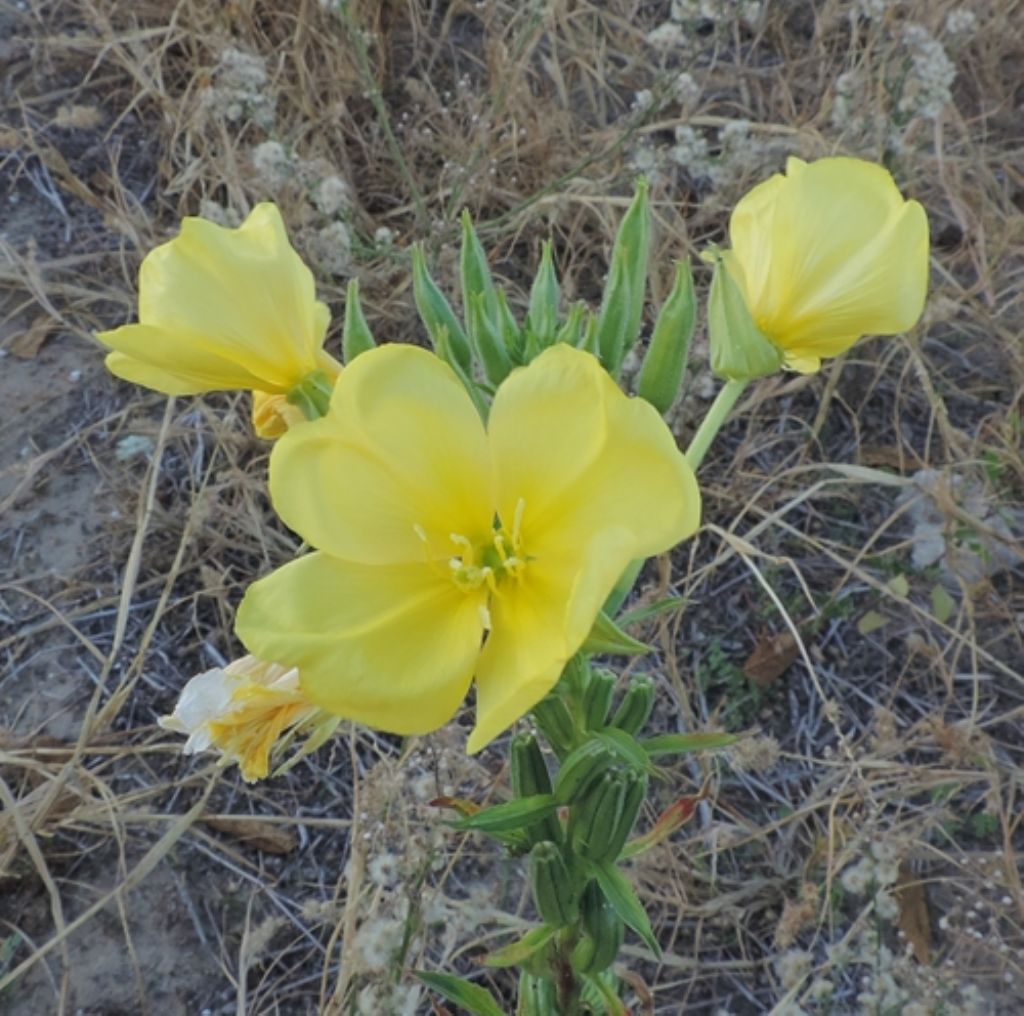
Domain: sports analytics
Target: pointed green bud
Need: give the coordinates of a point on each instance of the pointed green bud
(739, 349)
(590, 338)
(509, 330)
(537, 996)
(661, 375)
(579, 771)
(443, 348)
(554, 891)
(571, 332)
(593, 820)
(613, 321)
(635, 792)
(603, 932)
(475, 274)
(530, 776)
(488, 343)
(599, 699)
(545, 297)
(356, 337)
(312, 395)
(636, 705)
(556, 723)
(633, 244)
(436, 313)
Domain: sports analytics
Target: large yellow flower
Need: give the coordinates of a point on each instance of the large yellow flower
(826, 254)
(432, 531)
(222, 309)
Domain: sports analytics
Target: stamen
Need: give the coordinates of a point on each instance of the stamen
(485, 616)
(420, 532)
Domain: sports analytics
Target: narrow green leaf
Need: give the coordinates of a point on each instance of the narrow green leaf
(624, 901)
(471, 997)
(437, 314)
(522, 949)
(661, 376)
(607, 637)
(511, 816)
(356, 337)
(655, 609)
(628, 748)
(678, 744)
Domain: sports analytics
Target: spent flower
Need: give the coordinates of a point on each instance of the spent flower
(227, 309)
(433, 532)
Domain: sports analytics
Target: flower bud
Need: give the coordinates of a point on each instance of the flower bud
(636, 705)
(555, 721)
(553, 890)
(583, 766)
(602, 822)
(598, 699)
(530, 777)
(545, 295)
(356, 337)
(661, 375)
(437, 314)
(603, 932)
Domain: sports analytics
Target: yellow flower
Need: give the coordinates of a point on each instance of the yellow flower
(826, 254)
(432, 531)
(242, 710)
(223, 309)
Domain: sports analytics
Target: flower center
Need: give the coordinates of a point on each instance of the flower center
(474, 566)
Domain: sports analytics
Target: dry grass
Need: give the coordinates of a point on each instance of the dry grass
(889, 756)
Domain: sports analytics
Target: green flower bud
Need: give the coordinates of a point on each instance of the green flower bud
(553, 890)
(475, 274)
(509, 330)
(530, 777)
(542, 318)
(661, 375)
(636, 705)
(488, 343)
(571, 332)
(537, 996)
(739, 350)
(437, 314)
(602, 822)
(555, 721)
(603, 932)
(613, 321)
(583, 766)
(598, 699)
(356, 337)
(633, 244)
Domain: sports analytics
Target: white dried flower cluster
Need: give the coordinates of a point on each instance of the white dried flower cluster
(393, 999)
(239, 89)
(873, 9)
(668, 36)
(738, 152)
(792, 967)
(686, 92)
(332, 248)
(332, 196)
(747, 12)
(961, 21)
(214, 211)
(274, 164)
(926, 89)
(754, 754)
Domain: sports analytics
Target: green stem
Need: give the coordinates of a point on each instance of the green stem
(712, 423)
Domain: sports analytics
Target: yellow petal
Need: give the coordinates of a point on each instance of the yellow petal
(585, 459)
(537, 624)
(392, 646)
(611, 488)
(397, 465)
(829, 253)
(232, 301)
(155, 358)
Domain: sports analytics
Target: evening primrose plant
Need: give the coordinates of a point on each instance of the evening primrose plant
(476, 516)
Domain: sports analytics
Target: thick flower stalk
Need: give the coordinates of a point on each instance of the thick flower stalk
(448, 552)
(223, 309)
(820, 256)
(243, 710)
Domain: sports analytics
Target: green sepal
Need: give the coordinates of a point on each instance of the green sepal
(488, 343)
(438, 315)
(554, 890)
(606, 990)
(636, 705)
(623, 899)
(590, 342)
(649, 610)
(509, 330)
(545, 296)
(613, 321)
(739, 349)
(469, 996)
(598, 699)
(603, 931)
(606, 637)
(633, 244)
(512, 816)
(356, 337)
(571, 333)
(679, 744)
(443, 348)
(661, 375)
(312, 395)
(522, 949)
